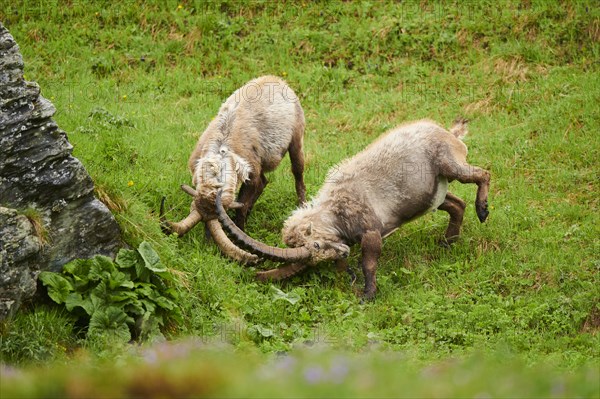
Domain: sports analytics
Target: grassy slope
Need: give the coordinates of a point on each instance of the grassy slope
(135, 85)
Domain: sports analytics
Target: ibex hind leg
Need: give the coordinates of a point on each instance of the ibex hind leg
(465, 173)
(456, 209)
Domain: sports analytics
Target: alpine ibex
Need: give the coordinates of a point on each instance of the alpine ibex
(401, 176)
(250, 135)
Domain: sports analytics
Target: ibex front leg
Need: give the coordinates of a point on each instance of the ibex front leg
(249, 193)
(297, 159)
(371, 249)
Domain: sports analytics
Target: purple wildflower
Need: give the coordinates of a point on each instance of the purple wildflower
(313, 375)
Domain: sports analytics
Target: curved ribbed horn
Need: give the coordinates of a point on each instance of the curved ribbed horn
(188, 190)
(281, 273)
(250, 244)
(227, 247)
(181, 227)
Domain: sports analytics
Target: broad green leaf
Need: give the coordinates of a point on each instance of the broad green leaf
(151, 259)
(119, 296)
(79, 269)
(290, 297)
(111, 321)
(80, 284)
(145, 289)
(76, 300)
(97, 302)
(102, 290)
(59, 287)
(127, 258)
(142, 274)
(127, 284)
(149, 305)
(102, 268)
(163, 302)
(134, 307)
(117, 278)
(171, 293)
(165, 276)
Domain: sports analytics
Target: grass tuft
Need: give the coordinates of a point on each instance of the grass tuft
(36, 219)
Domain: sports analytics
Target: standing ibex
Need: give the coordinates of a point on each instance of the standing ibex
(399, 177)
(253, 130)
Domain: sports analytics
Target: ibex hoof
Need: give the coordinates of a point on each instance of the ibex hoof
(446, 242)
(482, 211)
(368, 296)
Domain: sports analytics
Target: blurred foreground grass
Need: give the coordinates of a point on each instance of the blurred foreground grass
(192, 369)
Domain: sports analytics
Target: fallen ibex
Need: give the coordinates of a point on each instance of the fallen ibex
(401, 176)
(252, 132)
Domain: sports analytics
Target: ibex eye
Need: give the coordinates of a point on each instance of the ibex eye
(316, 244)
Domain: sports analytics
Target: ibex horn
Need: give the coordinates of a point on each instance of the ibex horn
(250, 244)
(181, 227)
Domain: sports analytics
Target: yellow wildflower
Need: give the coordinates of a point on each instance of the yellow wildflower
(130, 183)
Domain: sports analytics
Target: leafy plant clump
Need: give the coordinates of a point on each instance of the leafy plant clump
(125, 299)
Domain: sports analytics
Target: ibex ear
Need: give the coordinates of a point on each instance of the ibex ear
(242, 168)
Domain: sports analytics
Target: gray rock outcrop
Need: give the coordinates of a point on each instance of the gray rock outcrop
(19, 260)
(41, 184)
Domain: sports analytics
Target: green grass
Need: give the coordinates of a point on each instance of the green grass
(134, 86)
(38, 335)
